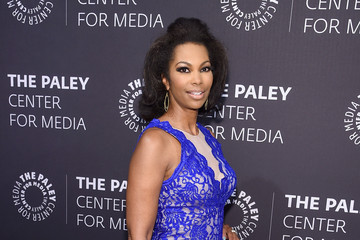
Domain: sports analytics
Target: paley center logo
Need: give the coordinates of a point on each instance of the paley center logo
(242, 204)
(33, 196)
(128, 101)
(248, 15)
(32, 12)
(352, 121)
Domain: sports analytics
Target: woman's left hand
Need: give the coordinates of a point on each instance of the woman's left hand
(228, 233)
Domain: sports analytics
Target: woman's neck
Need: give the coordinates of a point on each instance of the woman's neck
(183, 120)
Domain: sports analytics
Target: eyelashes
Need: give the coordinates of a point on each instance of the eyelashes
(207, 69)
(187, 70)
(183, 69)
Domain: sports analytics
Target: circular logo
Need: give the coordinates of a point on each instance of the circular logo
(32, 13)
(33, 196)
(248, 15)
(352, 121)
(242, 214)
(128, 104)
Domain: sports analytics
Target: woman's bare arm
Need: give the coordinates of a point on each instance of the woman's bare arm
(149, 166)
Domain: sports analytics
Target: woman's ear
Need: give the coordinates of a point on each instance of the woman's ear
(165, 82)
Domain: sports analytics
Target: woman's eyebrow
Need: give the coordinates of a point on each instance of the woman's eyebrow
(189, 64)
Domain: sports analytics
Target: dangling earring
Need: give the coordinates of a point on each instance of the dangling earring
(206, 104)
(166, 102)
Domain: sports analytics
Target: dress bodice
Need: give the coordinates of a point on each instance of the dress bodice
(191, 201)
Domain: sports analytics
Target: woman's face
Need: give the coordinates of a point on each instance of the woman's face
(190, 77)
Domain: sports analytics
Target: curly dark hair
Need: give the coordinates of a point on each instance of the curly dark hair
(182, 30)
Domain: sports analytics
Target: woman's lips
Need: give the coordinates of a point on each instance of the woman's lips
(197, 94)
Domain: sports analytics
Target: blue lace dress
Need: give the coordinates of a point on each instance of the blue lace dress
(191, 202)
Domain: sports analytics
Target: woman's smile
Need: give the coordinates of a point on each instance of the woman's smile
(196, 94)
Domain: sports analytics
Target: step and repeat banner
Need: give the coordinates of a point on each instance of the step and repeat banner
(71, 79)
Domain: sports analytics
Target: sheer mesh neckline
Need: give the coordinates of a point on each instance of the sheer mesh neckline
(203, 148)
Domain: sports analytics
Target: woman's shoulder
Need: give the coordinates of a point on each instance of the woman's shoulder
(159, 128)
(157, 148)
(154, 136)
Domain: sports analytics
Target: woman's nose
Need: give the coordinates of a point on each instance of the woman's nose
(196, 78)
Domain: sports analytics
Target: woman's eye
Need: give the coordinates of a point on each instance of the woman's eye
(183, 69)
(206, 69)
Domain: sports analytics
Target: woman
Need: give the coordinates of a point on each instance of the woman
(178, 178)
